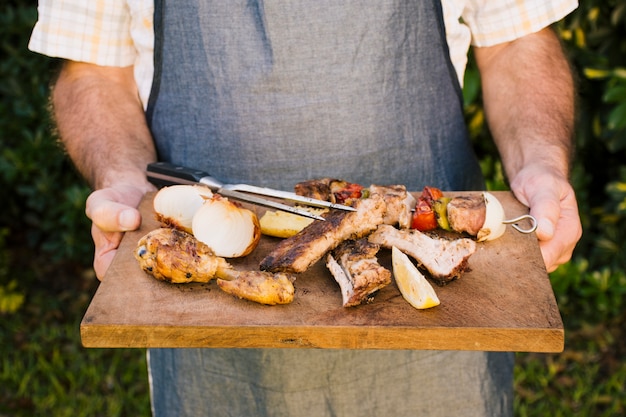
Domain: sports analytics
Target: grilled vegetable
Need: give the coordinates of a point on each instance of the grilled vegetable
(479, 215)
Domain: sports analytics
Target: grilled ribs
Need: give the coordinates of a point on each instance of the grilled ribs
(355, 267)
(383, 205)
(444, 259)
(297, 253)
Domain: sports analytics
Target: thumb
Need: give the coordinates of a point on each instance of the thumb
(109, 215)
(546, 208)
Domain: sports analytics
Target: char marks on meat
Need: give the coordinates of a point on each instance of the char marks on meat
(328, 189)
(297, 253)
(318, 188)
(444, 259)
(355, 267)
(178, 257)
(467, 213)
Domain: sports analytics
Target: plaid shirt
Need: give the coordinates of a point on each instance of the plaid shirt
(120, 32)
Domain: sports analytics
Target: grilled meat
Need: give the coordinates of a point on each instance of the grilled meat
(328, 189)
(319, 188)
(467, 213)
(384, 204)
(444, 259)
(355, 267)
(258, 286)
(399, 201)
(399, 204)
(297, 253)
(176, 256)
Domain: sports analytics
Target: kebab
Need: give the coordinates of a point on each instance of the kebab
(480, 215)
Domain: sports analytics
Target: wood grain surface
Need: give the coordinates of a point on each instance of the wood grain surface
(505, 303)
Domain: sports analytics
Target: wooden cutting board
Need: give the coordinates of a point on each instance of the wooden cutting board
(505, 303)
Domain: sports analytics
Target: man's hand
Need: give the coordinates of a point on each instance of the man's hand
(552, 202)
(113, 211)
(102, 124)
(528, 92)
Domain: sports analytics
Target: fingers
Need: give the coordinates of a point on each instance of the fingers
(553, 203)
(112, 212)
(559, 249)
(106, 244)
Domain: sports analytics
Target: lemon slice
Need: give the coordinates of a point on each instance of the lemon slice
(412, 284)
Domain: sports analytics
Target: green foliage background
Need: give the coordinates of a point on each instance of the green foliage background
(46, 250)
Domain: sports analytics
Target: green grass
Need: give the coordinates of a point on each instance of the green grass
(587, 379)
(46, 372)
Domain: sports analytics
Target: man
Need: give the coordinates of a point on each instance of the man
(276, 92)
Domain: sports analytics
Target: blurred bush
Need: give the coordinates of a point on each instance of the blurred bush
(43, 198)
(42, 220)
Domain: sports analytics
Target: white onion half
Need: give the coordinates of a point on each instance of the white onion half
(494, 226)
(229, 230)
(177, 204)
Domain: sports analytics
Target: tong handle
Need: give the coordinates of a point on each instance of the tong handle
(164, 174)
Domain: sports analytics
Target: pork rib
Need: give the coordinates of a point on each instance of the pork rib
(355, 267)
(297, 253)
(445, 260)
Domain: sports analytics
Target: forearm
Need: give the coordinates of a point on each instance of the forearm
(102, 124)
(528, 96)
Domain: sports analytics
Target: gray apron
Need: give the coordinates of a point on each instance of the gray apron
(276, 92)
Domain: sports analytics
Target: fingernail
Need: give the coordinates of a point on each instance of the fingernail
(127, 219)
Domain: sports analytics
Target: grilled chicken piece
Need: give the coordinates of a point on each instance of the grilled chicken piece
(176, 256)
(445, 260)
(355, 267)
(399, 204)
(297, 253)
(258, 286)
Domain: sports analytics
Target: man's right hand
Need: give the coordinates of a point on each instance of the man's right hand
(112, 211)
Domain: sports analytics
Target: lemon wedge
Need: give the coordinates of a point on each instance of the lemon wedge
(414, 287)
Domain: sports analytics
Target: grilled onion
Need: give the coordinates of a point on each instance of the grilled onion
(229, 230)
(494, 225)
(176, 205)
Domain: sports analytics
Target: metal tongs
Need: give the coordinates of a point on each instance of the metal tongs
(163, 174)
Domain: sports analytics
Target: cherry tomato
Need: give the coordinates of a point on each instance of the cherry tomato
(424, 218)
(431, 193)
